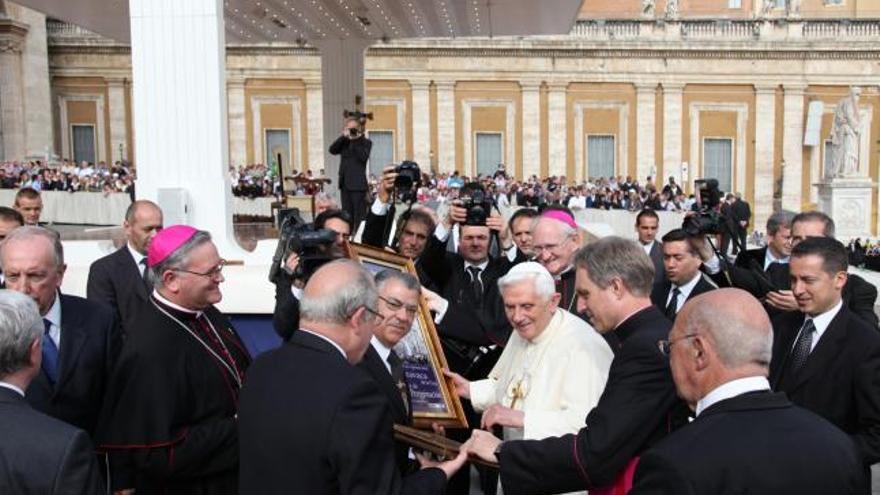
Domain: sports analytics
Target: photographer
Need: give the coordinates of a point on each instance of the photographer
(290, 280)
(354, 150)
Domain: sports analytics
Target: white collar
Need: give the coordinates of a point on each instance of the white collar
(381, 350)
(821, 321)
(334, 344)
(171, 305)
(482, 266)
(12, 387)
(770, 259)
(687, 288)
(136, 256)
(732, 389)
(54, 313)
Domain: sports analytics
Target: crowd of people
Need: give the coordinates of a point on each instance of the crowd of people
(653, 366)
(67, 175)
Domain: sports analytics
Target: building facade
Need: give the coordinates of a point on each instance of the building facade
(730, 89)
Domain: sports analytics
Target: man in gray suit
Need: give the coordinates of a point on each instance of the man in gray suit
(38, 454)
(647, 225)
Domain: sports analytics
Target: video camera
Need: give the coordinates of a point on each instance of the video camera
(707, 220)
(477, 203)
(409, 178)
(314, 246)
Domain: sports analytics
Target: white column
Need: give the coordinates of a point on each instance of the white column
(38, 127)
(531, 132)
(557, 129)
(179, 69)
(792, 146)
(765, 137)
(118, 130)
(671, 133)
(342, 79)
(12, 121)
(237, 126)
(446, 126)
(646, 95)
(315, 125)
(421, 123)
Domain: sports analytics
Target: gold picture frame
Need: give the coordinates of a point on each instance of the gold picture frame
(433, 395)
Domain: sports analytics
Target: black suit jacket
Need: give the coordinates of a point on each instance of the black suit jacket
(90, 343)
(839, 380)
(40, 455)
(660, 292)
(354, 154)
(638, 407)
(285, 318)
(757, 443)
(656, 256)
(375, 235)
(116, 281)
(374, 367)
(311, 422)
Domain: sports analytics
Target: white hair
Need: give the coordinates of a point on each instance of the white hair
(20, 326)
(541, 278)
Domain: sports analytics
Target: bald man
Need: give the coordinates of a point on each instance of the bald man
(118, 278)
(745, 438)
(309, 420)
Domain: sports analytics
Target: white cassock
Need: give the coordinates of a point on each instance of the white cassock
(556, 379)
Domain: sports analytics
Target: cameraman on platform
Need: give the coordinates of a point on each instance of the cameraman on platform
(354, 150)
(288, 288)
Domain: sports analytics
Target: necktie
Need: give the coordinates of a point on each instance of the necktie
(50, 354)
(801, 350)
(476, 284)
(145, 274)
(397, 375)
(672, 307)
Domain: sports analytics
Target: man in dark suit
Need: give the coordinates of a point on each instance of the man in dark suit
(719, 351)
(118, 279)
(647, 224)
(38, 454)
(309, 419)
(760, 270)
(741, 213)
(81, 338)
(353, 149)
(825, 358)
(682, 262)
(638, 406)
(398, 304)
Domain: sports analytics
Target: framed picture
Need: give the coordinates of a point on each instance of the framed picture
(433, 399)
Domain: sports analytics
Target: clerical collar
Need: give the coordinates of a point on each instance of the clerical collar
(12, 387)
(176, 307)
(563, 272)
(732, 389)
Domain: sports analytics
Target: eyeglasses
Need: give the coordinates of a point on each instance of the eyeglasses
(376, 315)
(549, 247)
(665, 346)
(396, 305)
(212, 273)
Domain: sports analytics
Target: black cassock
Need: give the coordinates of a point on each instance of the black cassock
(169, 417)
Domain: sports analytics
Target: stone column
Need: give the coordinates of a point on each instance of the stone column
(765, 137)
(12, 122)
(421, 123)
(557, 128)
(793, 146)
(315, 125)
(671, 134)
(531, 132)
(646, 94)
(446, 126)
(118, 132)
(182, 148)
(237, 127)
(38, 124)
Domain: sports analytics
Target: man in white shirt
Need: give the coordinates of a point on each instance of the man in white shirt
(681, 260)
(719, 351)
(647, 225)
(553, 369)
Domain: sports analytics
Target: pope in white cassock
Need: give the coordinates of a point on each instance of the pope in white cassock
(551, 372)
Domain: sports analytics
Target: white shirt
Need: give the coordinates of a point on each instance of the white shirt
(334, 344)
(647, 247)
(821, 322)
(732, 389)
(171, 305)
(684, 291)
(54, 317)
(12, 387)
(769, 259)
(382, 351)
(137, 257)
(482, 266)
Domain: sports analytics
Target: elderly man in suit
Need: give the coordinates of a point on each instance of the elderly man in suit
(638, 406)
(825, 358)
(647, 224)
(81, 338)
(118, 279)
(38, 454)
(309, 420)
(681, 259)
(719, 351)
